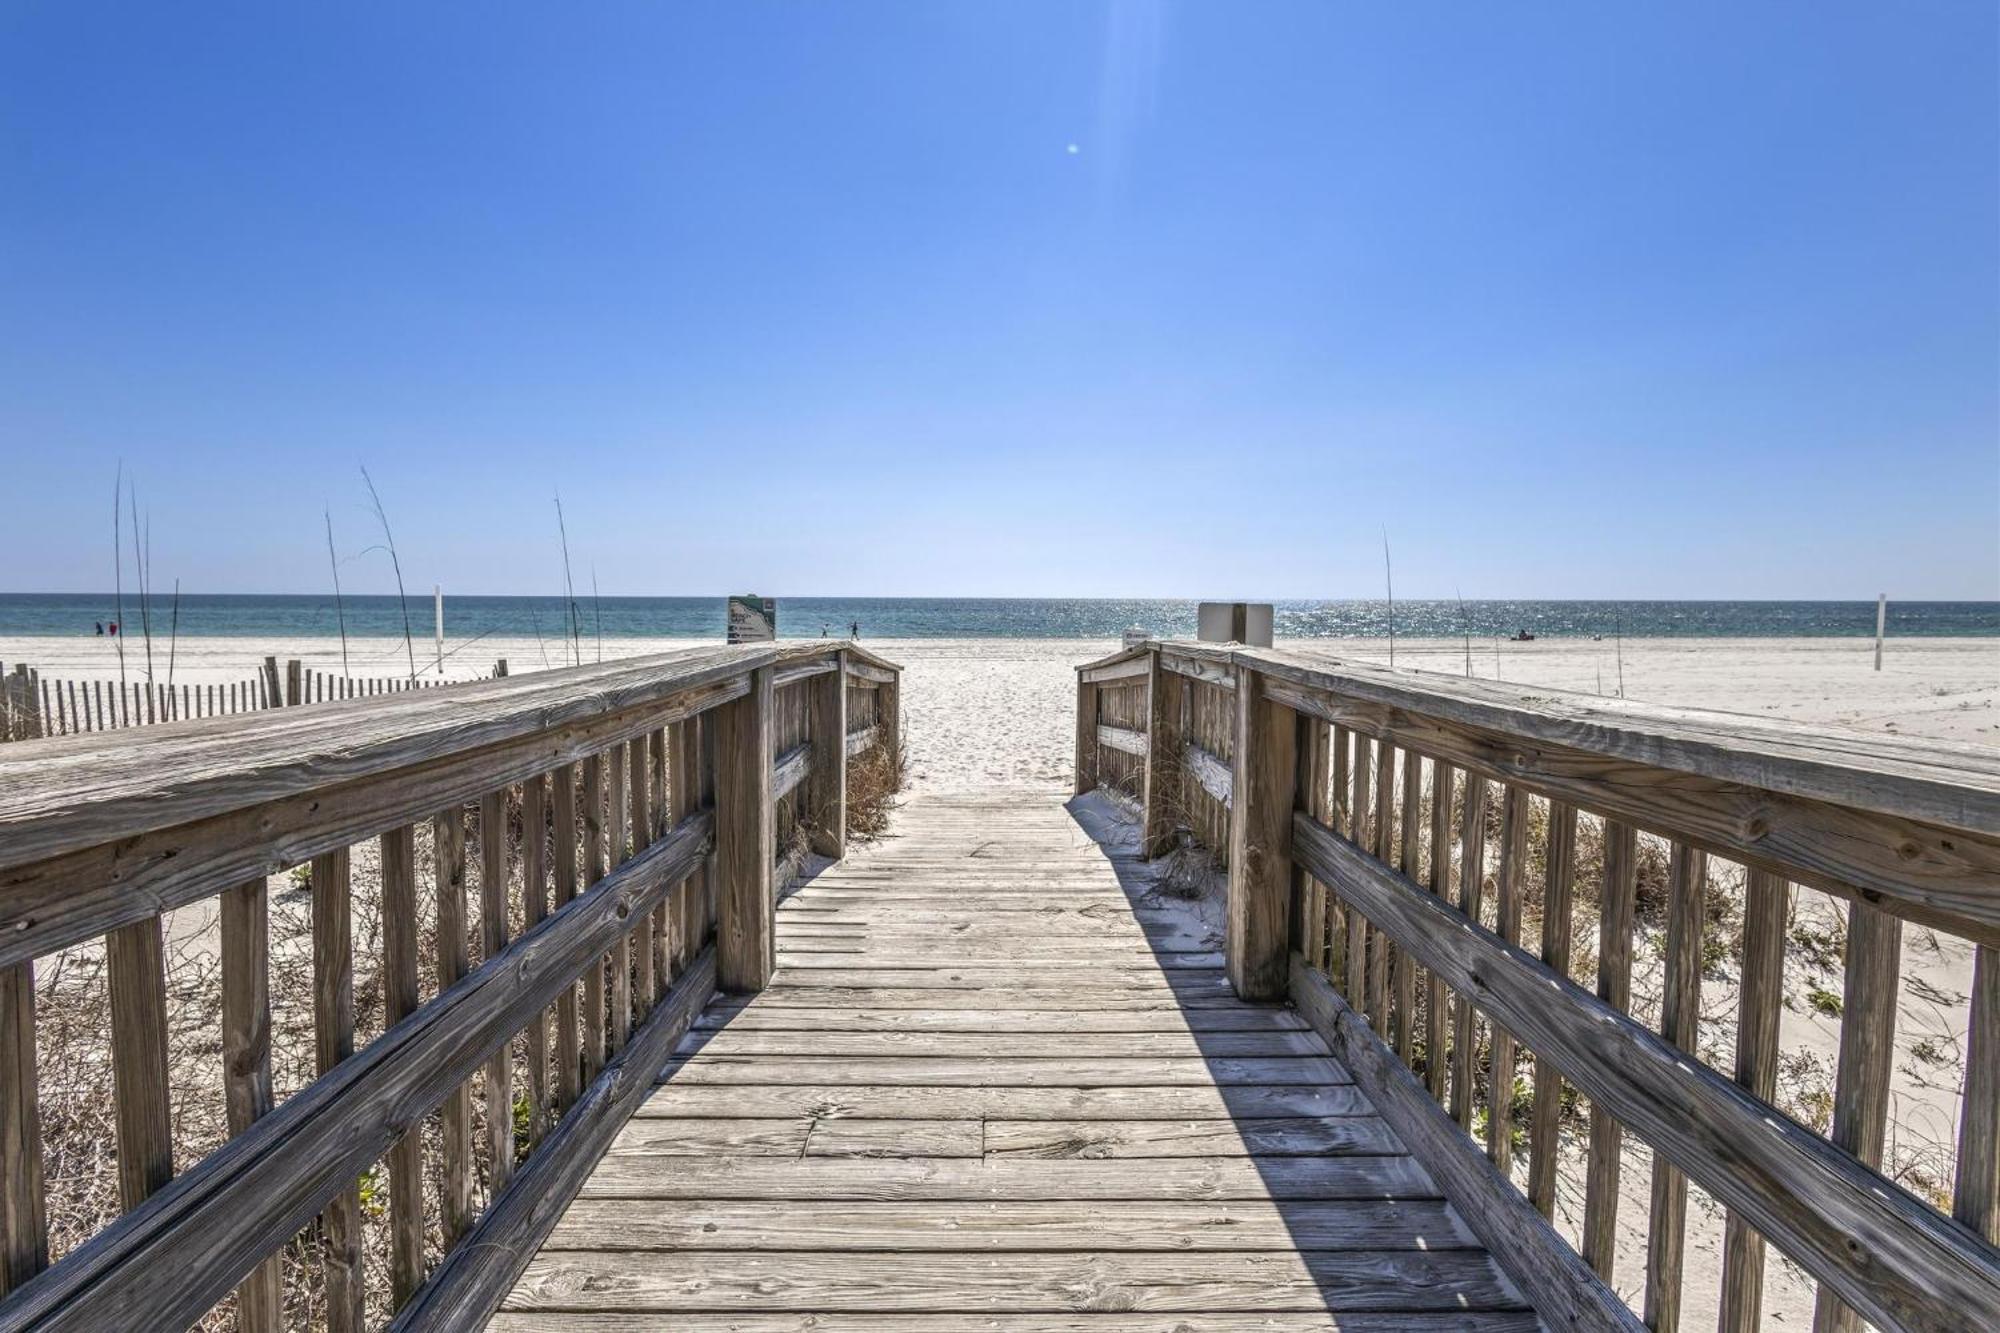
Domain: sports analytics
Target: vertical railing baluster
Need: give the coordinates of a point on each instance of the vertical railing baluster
(638, 777)
(24, 1233)
(1976, 1198)
(1867, 1056)
(1558, 896)
(535, 910)
(493, 934)
(455, 1117)
(136, 959)
(1409, 853)
(1760, 1003)
(333, 1031)
(1436, 1044)
(1507, 902)
(1471, 885)
(1614, 987)
(594, 1053)
(399, 1000)
(562, 849)
(1357, 924)
(1680, 1023)
(616, 780)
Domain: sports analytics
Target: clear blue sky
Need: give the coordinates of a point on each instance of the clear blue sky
(1573, 300)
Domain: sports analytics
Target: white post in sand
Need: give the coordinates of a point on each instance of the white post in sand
(437, 591)
(1881, 619)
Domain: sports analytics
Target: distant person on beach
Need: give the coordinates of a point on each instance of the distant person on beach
(853, 629)
(114, 628)
(822, 629)
(100, 629)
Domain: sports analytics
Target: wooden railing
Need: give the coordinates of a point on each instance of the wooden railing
(1351, 792)
(644, 795)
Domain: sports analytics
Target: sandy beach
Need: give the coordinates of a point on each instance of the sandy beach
(990, 710)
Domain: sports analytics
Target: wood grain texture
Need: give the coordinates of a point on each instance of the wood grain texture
(135, 958)
(1759, 1008)
(1619, 900)
(316, 808)
(956, 1136)
(1558, 884)
(333, 1044)
(453, 962)
(1680, 1020)
(1558, 1283)
(746, 948)
(1879, 1247)
(24, 1240)
(167, 1262)
(475, 1277)
(400, 929)
(1260, 866)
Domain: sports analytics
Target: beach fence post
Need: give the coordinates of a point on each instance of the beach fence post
(745, 839)
(1881, 623)
(1263, 793)
(437, 593)
(295, 682)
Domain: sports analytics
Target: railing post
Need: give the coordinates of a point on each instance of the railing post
(745, 950)
(1165, 759)
(826, 782)
(1086, 736)
(1260, 842)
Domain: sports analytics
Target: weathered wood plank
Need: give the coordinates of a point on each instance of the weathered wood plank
(1867, 1055)
(826, 793)
(950, 1178)
(913, 1045)
(1680, 1021)
(55, 902)
(746, 945)
(1315, 1280)
(1229, 1102)
(1043, 1071)
(475, 1277)
(1938, 874)
(135, 958)
(1883, 1250)
(172, 1258)
(1173, 1227)
(333, 1042)
(493, 932)
(1760, 1001)
(1558, 899)
(24, 1237)
(1125, 740)
(1555, 1278)
(1260, 864)
(776, 1013)
(819, 1321)
(1614, 987)
(400, 929)
(1108, 1140)
(453, 962)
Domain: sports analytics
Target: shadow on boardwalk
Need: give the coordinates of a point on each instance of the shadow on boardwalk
(999, 1083)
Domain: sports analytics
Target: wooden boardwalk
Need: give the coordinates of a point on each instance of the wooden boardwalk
(991, 1088)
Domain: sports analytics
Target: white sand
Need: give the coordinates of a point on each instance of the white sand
(998, 712)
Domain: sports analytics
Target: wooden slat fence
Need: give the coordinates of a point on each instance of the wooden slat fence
(37, 706)
(1416, 862)
(502, 904)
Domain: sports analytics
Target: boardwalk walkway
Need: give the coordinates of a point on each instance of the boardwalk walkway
(990, 1088)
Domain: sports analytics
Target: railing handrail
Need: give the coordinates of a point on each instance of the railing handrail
(659, 774)
(1953, 783)
(65, 793)
(1910, 826)
(1304, 761)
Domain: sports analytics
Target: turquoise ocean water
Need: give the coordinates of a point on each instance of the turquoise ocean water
(253, 616)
